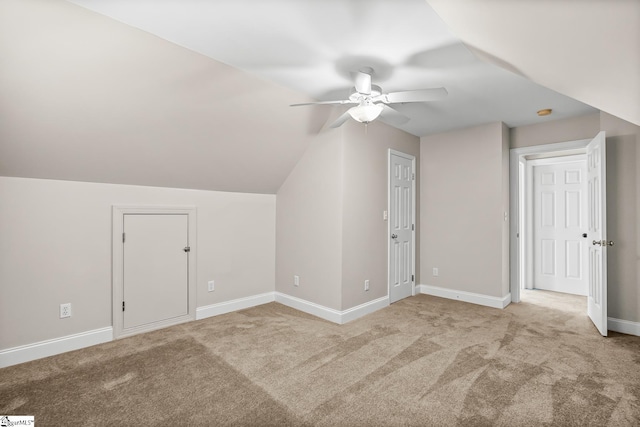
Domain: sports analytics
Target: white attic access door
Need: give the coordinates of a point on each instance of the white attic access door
(154, 272)
(595, 150)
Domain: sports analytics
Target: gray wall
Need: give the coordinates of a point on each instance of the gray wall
(55, 247)
(506, 285)
(463, 200)
(365, 192)
(552, 131)
(309, 224)
(330, 229)
(623, 205)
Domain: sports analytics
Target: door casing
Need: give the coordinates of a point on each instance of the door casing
(519, 232)
(118, 213)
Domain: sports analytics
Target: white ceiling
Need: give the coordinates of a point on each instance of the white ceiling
(311, 46)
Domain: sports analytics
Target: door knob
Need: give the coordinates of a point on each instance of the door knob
(603, 242)
(394, 236)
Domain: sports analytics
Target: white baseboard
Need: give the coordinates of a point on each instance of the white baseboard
(623, 326)
(26, 353)
(234, 305)
(471, 297)
(358, 311)
(309, 307)
(330, 314)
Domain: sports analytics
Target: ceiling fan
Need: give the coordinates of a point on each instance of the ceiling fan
(370, 103)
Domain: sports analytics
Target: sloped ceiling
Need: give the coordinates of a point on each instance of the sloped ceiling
(313, 46)
(586, 49)
(86, 98)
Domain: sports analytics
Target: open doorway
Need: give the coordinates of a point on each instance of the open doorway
(558, 225)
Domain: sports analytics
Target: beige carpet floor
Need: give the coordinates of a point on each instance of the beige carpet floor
(422, 361)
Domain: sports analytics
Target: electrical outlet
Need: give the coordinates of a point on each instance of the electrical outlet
(435, 271)
(65, 310)
(296, 280)
(211, 285)
(366, 285)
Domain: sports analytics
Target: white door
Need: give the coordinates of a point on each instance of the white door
(559, 224)
(597, 203)
(401, 225)
(155, 268)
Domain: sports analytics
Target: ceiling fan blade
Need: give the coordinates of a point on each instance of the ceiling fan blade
(340, 120)
(392, 116)
(363, 82)
(342, 101)
(421, 95)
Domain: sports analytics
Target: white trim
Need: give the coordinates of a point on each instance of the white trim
(330, 314)
(309, 307)
(118, 213)
(623, 326)
(471, 297)
(38, 350)
(234, 305)
(363, 309)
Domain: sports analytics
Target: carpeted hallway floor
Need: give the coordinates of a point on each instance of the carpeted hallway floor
(422, 361)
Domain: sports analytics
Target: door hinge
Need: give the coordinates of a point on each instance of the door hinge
(122, 305)
(413, 278)
(412, 227)
(413, 176)
(122, 237)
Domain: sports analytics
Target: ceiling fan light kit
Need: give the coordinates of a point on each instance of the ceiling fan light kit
(372, 103)
(365, 113)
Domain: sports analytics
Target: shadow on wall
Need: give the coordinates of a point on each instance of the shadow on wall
(623, 200)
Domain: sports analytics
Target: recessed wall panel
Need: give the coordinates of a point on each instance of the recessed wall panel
(573, 259)
(573, 176)
(548, 257)
(548, 208)
(548, 178)
(573, 209)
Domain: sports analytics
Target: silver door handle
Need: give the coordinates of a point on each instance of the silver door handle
(603, 243)
(394, 236)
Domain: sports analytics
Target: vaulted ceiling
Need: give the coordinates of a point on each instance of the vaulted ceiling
(313, 46)
(195, 94)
